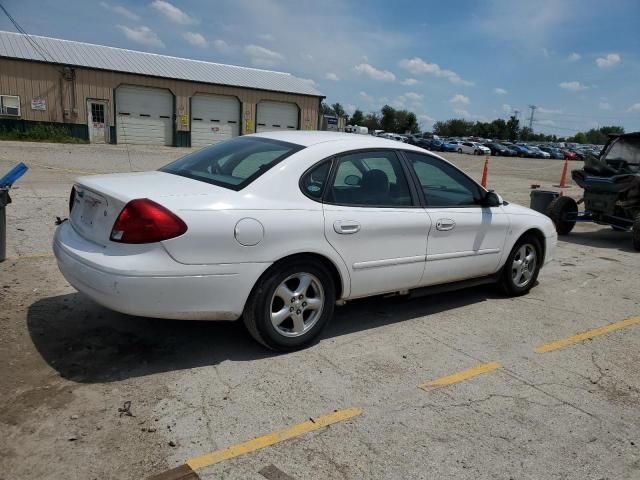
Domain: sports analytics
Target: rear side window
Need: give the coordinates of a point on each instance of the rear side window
(233, 164)
(313, 182)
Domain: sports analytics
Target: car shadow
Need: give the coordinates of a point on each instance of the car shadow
(605, 237)
(87, 343)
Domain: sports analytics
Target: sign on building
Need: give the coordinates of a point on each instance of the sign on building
(38, 104)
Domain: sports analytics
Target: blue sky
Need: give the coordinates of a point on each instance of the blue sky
(577, 60)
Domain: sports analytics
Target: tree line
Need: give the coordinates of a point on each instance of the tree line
(403, 121)
(511, 130)
(388, 118)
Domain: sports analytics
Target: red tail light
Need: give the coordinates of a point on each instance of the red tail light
(144, 221)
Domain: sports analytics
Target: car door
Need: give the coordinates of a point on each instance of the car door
(466, 239)
(374, 221)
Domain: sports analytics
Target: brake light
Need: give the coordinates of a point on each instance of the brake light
(145, 221)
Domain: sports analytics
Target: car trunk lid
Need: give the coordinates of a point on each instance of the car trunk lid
(99, 199)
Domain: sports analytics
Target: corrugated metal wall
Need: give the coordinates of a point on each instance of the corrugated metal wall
(31, 80)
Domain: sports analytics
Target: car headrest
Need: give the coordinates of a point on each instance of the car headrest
(375, 181)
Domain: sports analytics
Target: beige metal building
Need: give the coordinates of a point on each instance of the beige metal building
(112, 95)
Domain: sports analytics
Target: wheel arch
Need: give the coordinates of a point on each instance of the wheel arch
(329, 264)
(539, 236)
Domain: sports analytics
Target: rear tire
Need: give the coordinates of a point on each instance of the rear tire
(521, 270)
(459, 150)
(636, 233)
(558, 211)
(290, 305)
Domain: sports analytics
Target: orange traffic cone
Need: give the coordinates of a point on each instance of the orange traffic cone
(485, 172)
(563, 177)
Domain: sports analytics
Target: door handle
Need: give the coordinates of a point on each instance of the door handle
(445, 224)
(346, 227)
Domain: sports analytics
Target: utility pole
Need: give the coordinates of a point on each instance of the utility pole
(533, 109)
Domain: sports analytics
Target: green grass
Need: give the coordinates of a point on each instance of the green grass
(41, 133)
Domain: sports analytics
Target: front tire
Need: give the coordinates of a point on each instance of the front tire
(521, 270)
(560, 212)
(459, 150)
(290, 305)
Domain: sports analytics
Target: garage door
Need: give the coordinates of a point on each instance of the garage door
(144, 116)
(276, 116)
(214, 118)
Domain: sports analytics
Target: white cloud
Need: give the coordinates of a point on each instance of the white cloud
(143, 35)
(426, 119)
(634, 108)
(417, 66)
(506, 108)
(611, 60)
(460, 99)
(267, 37)
(604, 106)
(332, 76)
(499, 91)
(195, 39)
(375, 73)
(366, 97)
(399, 102)
(172, 12)
(120, 10)
(263, 57)
(414, 97)
(409, 81)
(574, 57)
(222, 46)
(550, 111)
(308, 81)
(349, 108)
(573, 86)
(383, 100)
(462, 112)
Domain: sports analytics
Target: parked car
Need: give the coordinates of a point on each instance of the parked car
(539, 153)
(554, 152)
(521, 150)
(498, 149)
(473, 148)
(276, 228)
(569, 154)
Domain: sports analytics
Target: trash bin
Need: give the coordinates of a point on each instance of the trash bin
(5, 200)
(6, 182)
(541, 199)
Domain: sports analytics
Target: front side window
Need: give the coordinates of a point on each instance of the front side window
(443, 185)
(233, 164)
(370, 179)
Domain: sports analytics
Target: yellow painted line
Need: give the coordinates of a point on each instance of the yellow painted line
(461, 376)
(581, 337)
(272, 438)
(35, 255)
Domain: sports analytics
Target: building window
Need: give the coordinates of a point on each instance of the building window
(10, 105)
(97, 112)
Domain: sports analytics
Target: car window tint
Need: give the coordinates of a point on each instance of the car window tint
(370, 179)
(234, 163)
(442, 184)
(312, 183)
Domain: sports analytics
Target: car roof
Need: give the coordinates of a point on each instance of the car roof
(314, 137)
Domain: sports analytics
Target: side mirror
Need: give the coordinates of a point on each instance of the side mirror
(491, 199)
(352, 180)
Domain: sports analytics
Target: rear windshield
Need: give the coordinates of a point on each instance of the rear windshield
(233, 164)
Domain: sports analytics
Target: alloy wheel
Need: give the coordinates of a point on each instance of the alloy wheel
(524, 265)
(297, 304)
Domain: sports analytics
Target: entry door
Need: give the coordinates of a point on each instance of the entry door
(372, 221)
(97, 121)
(466, 240)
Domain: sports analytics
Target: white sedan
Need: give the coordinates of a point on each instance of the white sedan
(473, 148)
(278, 228)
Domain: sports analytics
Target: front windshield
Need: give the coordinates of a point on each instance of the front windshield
(625, 148)
(232, 164)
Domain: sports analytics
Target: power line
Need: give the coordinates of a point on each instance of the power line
(39, 49)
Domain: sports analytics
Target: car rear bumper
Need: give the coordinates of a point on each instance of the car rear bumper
(167, 289)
